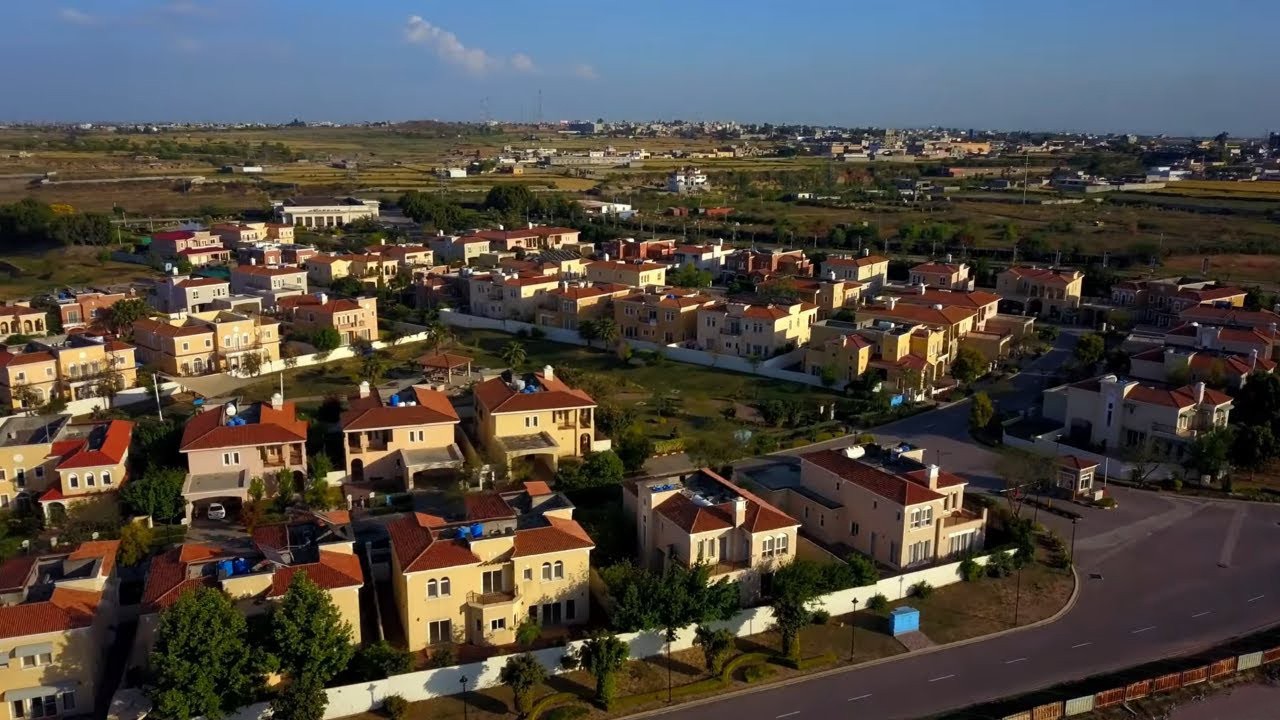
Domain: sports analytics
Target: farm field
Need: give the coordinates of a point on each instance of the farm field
(1247, 269)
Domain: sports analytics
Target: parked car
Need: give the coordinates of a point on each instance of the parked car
(217, 511)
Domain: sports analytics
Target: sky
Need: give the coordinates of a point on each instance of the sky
(1148, 66)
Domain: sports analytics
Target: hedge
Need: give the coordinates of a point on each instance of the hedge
(693, 688)
(805, 663)
(672, 445)
(744, 660)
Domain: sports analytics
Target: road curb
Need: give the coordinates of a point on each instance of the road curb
(1071, 601)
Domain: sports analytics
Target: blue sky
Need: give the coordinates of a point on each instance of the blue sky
(1173, 66)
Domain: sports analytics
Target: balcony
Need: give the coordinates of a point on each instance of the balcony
(1175, 431)
(496, 597)
(962, 518)
(729, 566)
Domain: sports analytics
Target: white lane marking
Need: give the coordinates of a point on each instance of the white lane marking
(1201, 614)
(1256, 599)
(944, 677)
(860, 697)
(1142, 630)
(1015, 660)
(1080, 645)
(793, 712)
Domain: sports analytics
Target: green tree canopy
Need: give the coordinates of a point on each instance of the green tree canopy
(158, 493)
(1208, 453)
(603, 655)
(1252, 446)
(1089, 350)
(522, 673)
(969, 365)
(689, 276)
(381, 660)
(119, 318)
(326, 339)
(981, 410)
(308, 634)
(795, 588)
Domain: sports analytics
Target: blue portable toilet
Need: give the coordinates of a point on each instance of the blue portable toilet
(904, 620)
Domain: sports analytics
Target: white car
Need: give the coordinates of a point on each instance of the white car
(217, 511)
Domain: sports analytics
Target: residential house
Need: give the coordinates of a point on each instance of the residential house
(1044, 292)
(205, 342)
(992, 334)
(744, 263)
(668, 316)
(1115, 414)
(84, 308)
(57, 617)
(571, 303)
(1245, 341)
(1161, 301)
(186, 294)
(1264, 321)
(845, 356)
(19, 318)
(870, 270)
(700, 517)
(831, 296)
(69, 367)
(1179, 366)
(759, 331)
(710, 258)
(57, 463)
(636, 274)
(196, 247)
(226, 446)
(353, 319)
(955, 322)
(911, 358)
(324, 212)
(984, 304)
(886, 504)
(374, 266)
(511, 556)
(269, 283)
(652, 249)
(411, 259)
(945, 275)
(325, 269)
(533, 237)
(508, 295)
(405, 440)
(455, 249)
(536, 415)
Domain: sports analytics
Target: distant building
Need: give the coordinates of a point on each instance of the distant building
(322, 212)
(19, 318)
(353, 319)
(1043, 292)
(84, 308)
(667, 316)
(686, 180)
(185, 294)
(870, 270)
(947, 276)
(197, 247)
(214, 341)
(69, 367)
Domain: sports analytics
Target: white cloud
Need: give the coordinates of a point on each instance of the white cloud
(76, 17)
(522, 63)
(448, 47)
(585, 71)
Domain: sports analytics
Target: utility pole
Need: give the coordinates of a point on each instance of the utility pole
(1026, 170)
(155, 383)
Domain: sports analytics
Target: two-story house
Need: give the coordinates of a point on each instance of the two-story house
(1161, 301)
(227, 446)
(570, 303)
(1179, 366)
(750, 263)
(700, 517)
(515, 296)
(206, 342)
(945, 275)
(456, 249)
(1044, 292)
(410, 258)
(403, 440)
(830, 295)
(85, 308)
(884, 503)
(533, 237)
(509, 557)
(353, 318)
(1246, 342)
(325, 269)
(668, 316)
(759, 331)
(19, 318)
(59, 463)
(635, 273)
(910, 358)
(710, 258)
(185, 294)
(268, 282)
(196, 247)
(870, 270)
(955, 322)
(536, 415)
(57, 614)
(70, 367)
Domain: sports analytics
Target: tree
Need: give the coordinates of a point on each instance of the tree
(716, 646)
(1253, 446)
(201, 663)
(381, 660)
(969, 365)
(634, 448)
(511, 199)
(713, 450)
(119, 318)
(257, 489)
(981, 411)
(326, 340)
(308, 634)
(1024, 472)
(522, 674)
(795, 588)
(514, 354)
(319, 466)
(374, 366)
(588, 331)
(303, 699)
(158, 493)
(1259, 404)
(528, 632)
(607, 331)
(603, 655)
(135, 543)
(109, 384)
(1089, 349)
(1208, 452)
(597, 469)
(251, 364)
(320, 495)
(689, 276)
(864, 570)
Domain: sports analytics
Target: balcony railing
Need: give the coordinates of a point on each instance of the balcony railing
(728, 566)
(495, 597)
(960, 517)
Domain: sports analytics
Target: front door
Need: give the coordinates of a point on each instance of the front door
(551, 614)
(873, 546)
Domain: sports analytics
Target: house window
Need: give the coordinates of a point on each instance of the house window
(231, 458)
(766, 547)
(68, 701)
(528, 573)
(445, 587)
(20, 477)
(439, 631)
(73, 481)
(39, 660)
(89, 480)
(782, 544)
(570, 610)
(437, 588)
(417, 435)
(185, 347)
(39, 471)
(546, 571)
(559, 570)
(498, 624)
(531, 421)
(106, 477)
(919, 551)
(853, 528)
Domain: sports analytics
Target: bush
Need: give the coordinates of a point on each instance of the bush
(922, 589)
(970, 570)
(756, 673)
(999, 564)
(1172, 484)
(1107, 502)
(381, 660)
(395, 707)
(566, 712)
(821, 617)
(877, 603)
(570, 661)
(444, 656)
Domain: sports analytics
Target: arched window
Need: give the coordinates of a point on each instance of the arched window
(559, 568)
(444, 587)
(546, 571)
(73, 480)
(106, 477)
(88, 479)
(433, 588)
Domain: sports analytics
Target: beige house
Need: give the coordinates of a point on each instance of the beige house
(759, 331)
(324, 269)
(185, 294)
(570, 303)
(57, 614)
(846, 356)
(63, 366)
(870, 270)
(227, 446)
(636, 274)
(533, 237)
(668, 316)
(1043, 292)
(197, 247)
(1245, 341)
(454, 249)
(403, 440)
(509, 296)
(885, 504)
(354, 319)
(56, 462)
(954, 322)
(536, 415)
(514, 556)
(910, 358)
(1179, 366)
(86, 308)
(984, 304)
(271, 283)
(214, 341)
(946, 275)
(1117, 414)
(19, 318)
(831, 296)
(700, 517)
(324, 212)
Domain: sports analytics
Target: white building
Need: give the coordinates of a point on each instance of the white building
(686, 180)
(319, 212)
(600, 207)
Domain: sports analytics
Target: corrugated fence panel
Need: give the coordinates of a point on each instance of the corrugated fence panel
(1271, 655)
(1140, 689)
(1052, 711)
(1077, 706)
(1249, 660)
(1165, 683)
(1198, 675)
(1222, 667)
(1107, 698)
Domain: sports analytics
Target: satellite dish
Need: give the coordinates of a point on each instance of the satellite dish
(230, 409)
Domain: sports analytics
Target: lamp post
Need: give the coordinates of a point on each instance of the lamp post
(1073, 541)
(463, 681)
(853, 630)
(1017, 597)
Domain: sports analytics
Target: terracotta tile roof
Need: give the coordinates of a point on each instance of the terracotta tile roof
(537, 488)
(8, 358)
(159, 327)
(1206, 364)
(1228, 334)
(207, 431)
(111, 450)
(173, 235)
(856, 262)
(531, 280)
(333, 570)
(945, 479)
(691, 517)
(487, 506)
(1074, 462)
(105, 549)
(418, 549)
(266, 270)
(444, 361)
(1058, 276)
(760, 516)
(371, 413)
(1182, 397)
(596, 290)
(936, 268)
(947, 316)
(1211, 294)
(950, 298)
(14, 572)
(203, 251)
(199, 282)
(560, 536)
(1238, 317)
(498, 397)
(669, 299)
(883, 483)
(167, 576)
(66, 610)
(625, 265)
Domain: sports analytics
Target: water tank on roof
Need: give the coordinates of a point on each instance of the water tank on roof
(477, 530)
(396, 401)
(225, 568)
(241, 566)
(464, 532)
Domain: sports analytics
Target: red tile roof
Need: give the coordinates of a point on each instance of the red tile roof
(487, 506)
(8, 358)
(537, 488)
(949, 298)
(199, 282)
(856, 262)
(1077, 463)
(417, 548)
(1053, 276)
(874, 479)
(266, 270)
(578, 293)
(208, 431)
(1182, 397)
(496, 396)
(947, 316)
(371, 413)
(625, 265)
(167, 576)
(1238, 317)
(936, 268)
(159, 327)
(760, 516)
(560, 536)
(691, 517)
(333, 570)
(173, 235)
(945, 479)
(111, 450)
(66, 610)
(14, 572)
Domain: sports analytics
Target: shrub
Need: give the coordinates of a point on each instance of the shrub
(970, 570)
(566, 712)
(999, 564)
(395, 707)
(756, 673)
(444, 656)
(570, 660)
(1107, 502)
(1172, 484)
(877, 603)
(922, 589)
(821, 617)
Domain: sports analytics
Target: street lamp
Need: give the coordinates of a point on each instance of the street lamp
(1073, 541)
(853, 630)
(463, 681)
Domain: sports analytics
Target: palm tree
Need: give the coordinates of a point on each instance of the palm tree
(589, 331)
(437, 334)
(514, 354)
(374, 366)
(607, 331)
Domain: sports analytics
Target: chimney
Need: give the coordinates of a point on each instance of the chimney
(439, 233)
(1199, 392)
(739, 511)
(920, 288)
(548, 373)
(322, 298)
(382, 241)
(364, 388)
(891, 302)
(831, 275)
(530, 224)
(253, 261)
(500, 227)
(948, 258)
(173, 271)
(277, 401)
(866, 252)
(1253, 359)
(932, 475)
(605, 257)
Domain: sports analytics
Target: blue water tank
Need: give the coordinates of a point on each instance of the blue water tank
(477, 530)
(396, 401)
(904, 620)
(241, 566)
(225, 568)
(464, 532)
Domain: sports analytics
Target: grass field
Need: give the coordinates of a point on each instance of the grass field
(64, 267)
(1262, 190)
(1259, 269)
